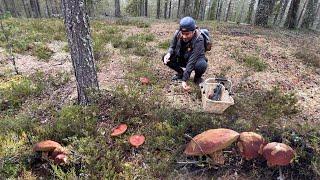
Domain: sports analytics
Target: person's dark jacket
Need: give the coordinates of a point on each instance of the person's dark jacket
(197, 51)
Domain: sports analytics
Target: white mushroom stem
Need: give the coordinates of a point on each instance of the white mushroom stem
(281, 177)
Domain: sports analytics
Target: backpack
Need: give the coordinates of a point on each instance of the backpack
(206, 37)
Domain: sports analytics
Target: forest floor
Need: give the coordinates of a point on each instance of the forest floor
(275, 75)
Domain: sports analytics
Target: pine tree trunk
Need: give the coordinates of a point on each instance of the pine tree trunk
(80, 44)
(165, 9)
(202, 9)
(250, 11)
(38, 8)
(178, 11)
(285, 15)
(117, 12)
(309, 15)
(317, 19)
(25, 9)
(169, 16)
(158, 9)
(292, 14)
(48, 9)
(146, 8)
(265, 8)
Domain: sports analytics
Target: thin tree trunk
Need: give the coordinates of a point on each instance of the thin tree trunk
(158, 9)
(178, 11)
(264, 10)
(38, 8)
(203, 9)
(250, 11)
(255, 8)
(80, 43)
(317, 19)
(48, 9)
(241, 12)
(285, 15)
(292, 14)
(165, 9)
(170, 9)
(25, 9)
(309, 15)
(146, 8)
(117, 12)
(5, 5)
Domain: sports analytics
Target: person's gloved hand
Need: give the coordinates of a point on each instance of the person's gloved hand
(166, 58)
(185, 86)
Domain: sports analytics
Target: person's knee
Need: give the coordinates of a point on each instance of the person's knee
(201, 66)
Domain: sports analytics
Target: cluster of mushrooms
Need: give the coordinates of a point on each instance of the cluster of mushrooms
(250, 144)
(135, 140)
(51, 150)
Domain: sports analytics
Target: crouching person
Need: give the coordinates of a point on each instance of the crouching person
(187, 51)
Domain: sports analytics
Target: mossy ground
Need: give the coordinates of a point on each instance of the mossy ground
(34, 107)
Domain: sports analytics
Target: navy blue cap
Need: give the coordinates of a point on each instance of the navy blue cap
(187, 24)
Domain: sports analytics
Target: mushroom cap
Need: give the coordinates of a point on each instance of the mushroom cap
(60, 159)
(120, 129)
(144, 80)
(46, 145)
(211, 141)
(136, 140)
(278, 154)
(249, 144)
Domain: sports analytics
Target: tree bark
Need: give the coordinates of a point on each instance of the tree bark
(26, 9)
(317, 19)
(146, 8)
(285, 15)
(292, 14)
(265, 8)
(117, 12)
(170, 9)
(178, 11)
(309, 15)
(250, 11)
(165, 9)
(48, 9)
(80, 44)
(158, 9)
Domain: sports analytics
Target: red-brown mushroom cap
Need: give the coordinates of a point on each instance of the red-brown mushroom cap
(144, 80)
(58, 151)
(249, 144)
(136, 140)
(120, 129)
(278, 154)
(211, 141)
(46, 145)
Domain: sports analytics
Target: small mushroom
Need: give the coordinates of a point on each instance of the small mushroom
(211, 141)
(46, 146)
(249, 144)
(120, 129)
(144, 80)
(278, 154)
(60, 159)
(136, 140)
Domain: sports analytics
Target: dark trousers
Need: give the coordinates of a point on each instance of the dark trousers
(177, 63)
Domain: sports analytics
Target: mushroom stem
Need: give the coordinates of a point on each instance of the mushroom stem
(281, 177)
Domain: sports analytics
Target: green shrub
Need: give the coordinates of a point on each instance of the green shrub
(42, 52)
(14, 91)
(254, 62)
(164, 44)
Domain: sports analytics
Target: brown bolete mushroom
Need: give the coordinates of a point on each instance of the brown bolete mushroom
(46, 146)
(211, 142)
(278, 154)
(144, 80)
(249, 144)
(136, 140)
(120, 129)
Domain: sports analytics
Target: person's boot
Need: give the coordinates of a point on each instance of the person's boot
(177, 77)
(198, 80)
